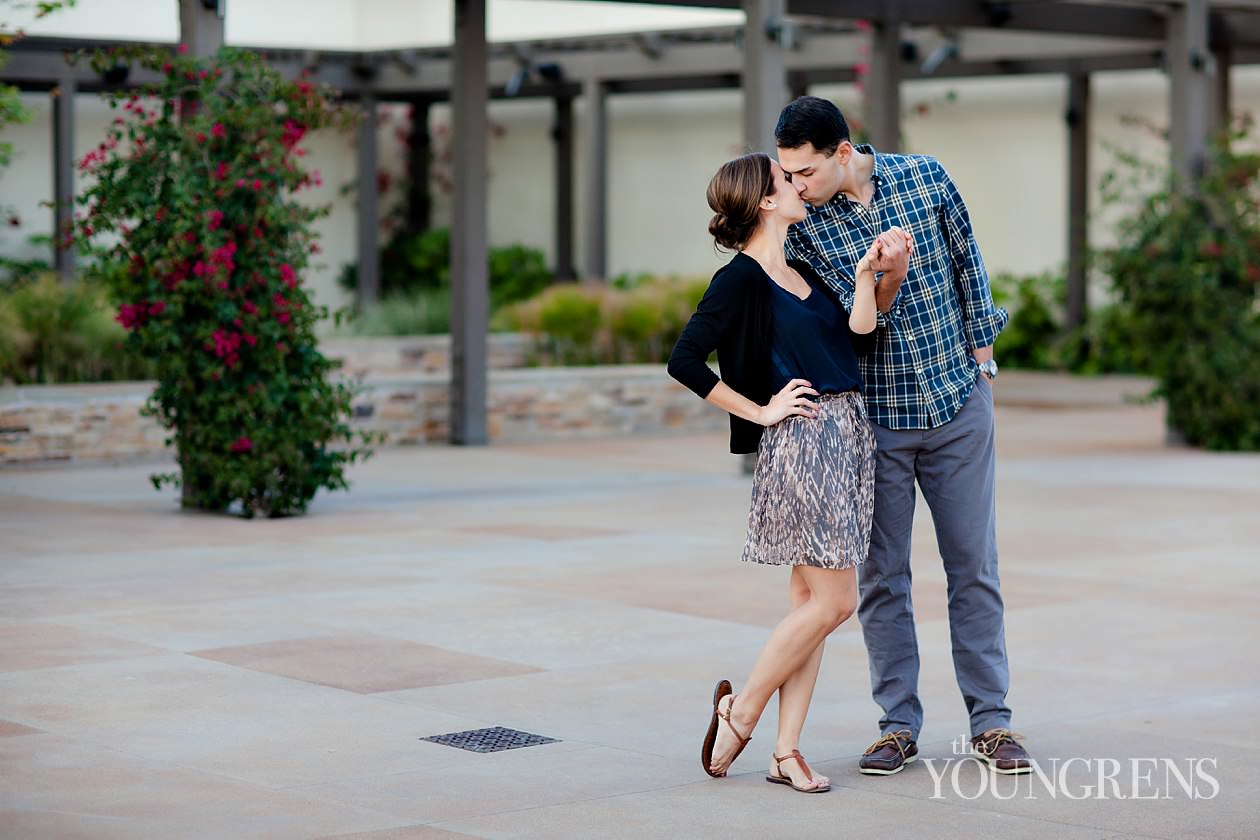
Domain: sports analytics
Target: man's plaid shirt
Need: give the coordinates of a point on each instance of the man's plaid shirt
(922, 369)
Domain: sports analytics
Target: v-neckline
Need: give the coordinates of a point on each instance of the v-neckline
(789, 292)
(775, 283)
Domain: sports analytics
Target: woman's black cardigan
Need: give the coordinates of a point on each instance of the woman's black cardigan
(734, 318)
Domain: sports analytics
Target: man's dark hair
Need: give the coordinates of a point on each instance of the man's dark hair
(813, 120)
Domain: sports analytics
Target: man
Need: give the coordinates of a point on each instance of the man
(929, 394)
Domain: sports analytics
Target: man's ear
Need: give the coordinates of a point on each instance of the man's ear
(843, 152)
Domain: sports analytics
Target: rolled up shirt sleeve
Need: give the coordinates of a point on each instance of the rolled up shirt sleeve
(982, 319)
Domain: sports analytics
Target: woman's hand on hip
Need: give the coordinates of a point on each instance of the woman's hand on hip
(792, 400)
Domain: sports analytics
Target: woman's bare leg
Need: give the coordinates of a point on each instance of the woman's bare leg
(795, 695)
(833, 598)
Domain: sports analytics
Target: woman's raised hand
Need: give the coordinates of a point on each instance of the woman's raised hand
(871, 255)
(791, 400)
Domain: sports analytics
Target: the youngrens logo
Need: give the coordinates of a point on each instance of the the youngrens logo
(1075, 778)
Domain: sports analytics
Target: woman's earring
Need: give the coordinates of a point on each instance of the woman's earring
(772, 206)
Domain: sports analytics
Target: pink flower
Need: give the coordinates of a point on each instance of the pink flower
(157, 307)
(182, 49)
(249, 308)
(221, 171)
(131, 315)
(293, 133)
(241, 444)
(283, 317)
(257, 185)
(201, 137)
(251, 340)
(288, 275)
(216, 219)
(218, 131)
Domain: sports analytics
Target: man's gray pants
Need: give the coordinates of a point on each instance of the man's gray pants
(953, 465)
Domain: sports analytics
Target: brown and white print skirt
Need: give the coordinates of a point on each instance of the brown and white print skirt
(813, 492)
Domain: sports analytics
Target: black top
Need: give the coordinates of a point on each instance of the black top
(811, 340)
(734, 317)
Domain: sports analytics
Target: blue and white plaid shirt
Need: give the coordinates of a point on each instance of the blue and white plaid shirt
(922, 369)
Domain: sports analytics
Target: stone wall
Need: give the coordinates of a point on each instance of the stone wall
(102, 422)
(73, 422)
(419, 354)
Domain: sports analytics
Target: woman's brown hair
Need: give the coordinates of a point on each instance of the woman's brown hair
(734, 196)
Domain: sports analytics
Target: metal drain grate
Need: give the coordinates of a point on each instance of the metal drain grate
(493, 739)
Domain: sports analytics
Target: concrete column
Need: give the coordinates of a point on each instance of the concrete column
(1222, 93)
(797, 87)
(1077, 118)
(1191, 88)
(419, 203)
(63, 173)
(765, 77)
(469, 236)
(369, 268)
(595, 148)
(562, 138)
(201, 29)
(882, 90)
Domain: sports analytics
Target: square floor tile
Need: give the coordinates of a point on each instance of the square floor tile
(24, 646)
(364, 664)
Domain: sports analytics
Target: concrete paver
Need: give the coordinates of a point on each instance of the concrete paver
(180, 675)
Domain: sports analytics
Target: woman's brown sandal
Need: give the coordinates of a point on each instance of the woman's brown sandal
(722, 689)
(781, 779)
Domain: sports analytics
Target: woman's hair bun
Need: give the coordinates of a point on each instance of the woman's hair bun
(734, 196)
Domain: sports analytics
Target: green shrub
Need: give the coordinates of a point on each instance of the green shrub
(1188, 266)
(63, 332)
(194, 186)
(1106, 343)
(1035, 337)
(1035, 301)
(422, 312)
(576, 324)
(411, 263)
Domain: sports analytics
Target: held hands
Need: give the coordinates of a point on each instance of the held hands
(890, 254)
(790, 401)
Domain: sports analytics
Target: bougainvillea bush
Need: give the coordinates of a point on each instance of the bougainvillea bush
(1187, 264)
(191, 202)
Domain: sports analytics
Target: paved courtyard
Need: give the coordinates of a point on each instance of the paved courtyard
(168, 675)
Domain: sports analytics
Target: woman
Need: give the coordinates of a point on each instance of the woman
(788, 356)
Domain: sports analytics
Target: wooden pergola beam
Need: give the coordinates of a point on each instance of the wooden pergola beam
(1122, 21)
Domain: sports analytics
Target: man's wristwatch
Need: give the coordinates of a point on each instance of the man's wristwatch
(988, 368)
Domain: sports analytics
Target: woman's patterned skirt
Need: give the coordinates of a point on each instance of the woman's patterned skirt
(814, 488)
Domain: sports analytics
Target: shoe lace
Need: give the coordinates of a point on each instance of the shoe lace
(891, 739)
(990, 741)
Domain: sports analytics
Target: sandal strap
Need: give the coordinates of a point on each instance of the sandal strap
(796, 754)
(726, 716)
